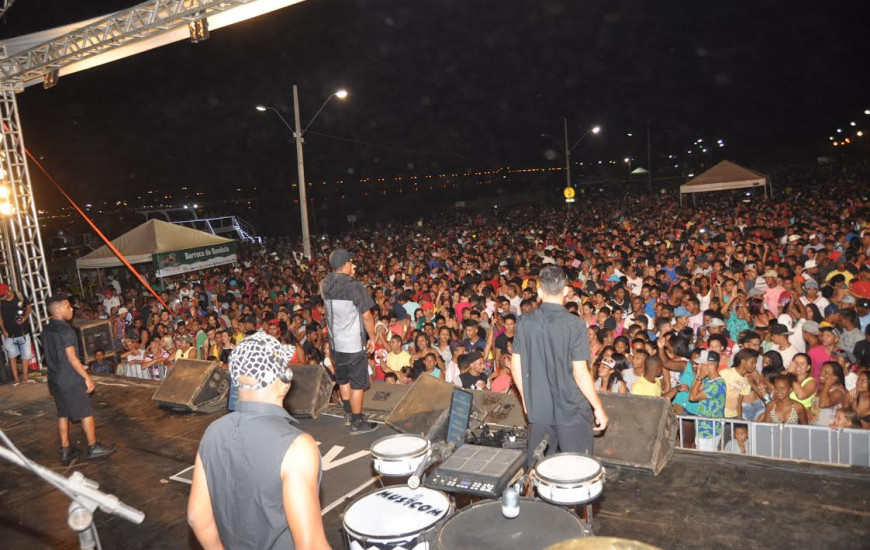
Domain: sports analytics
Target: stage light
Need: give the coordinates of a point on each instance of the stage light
(859, 133)
(341, 94)
(5, 191)
(261, 108)
(198, 30)
(852, 124)
(596, 129)
(50, 79)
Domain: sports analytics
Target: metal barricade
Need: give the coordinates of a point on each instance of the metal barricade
(847, 447)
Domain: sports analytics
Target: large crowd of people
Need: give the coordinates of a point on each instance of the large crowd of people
(741, 306)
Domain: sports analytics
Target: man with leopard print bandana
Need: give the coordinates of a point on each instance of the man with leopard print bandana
(235, 501)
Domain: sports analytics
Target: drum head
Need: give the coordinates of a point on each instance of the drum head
(567, 468)
(395, 512)
(602, 543)
(482, 525)
(400, 445)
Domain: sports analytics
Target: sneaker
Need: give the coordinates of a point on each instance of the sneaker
(348, 419)
(362, 427)
(99, 450)
(69, 454)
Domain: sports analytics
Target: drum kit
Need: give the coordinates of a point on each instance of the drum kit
(411, 517)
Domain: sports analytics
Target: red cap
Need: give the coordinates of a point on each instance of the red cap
(4, 289)
(428, 305)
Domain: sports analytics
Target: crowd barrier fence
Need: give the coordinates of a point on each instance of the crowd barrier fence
(819, 444)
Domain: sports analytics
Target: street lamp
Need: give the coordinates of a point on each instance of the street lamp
(567, 150)
(298, 132)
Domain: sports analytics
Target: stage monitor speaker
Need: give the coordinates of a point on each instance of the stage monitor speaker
(310, 391)
(641, 432)
(93, 334)
(383, 397)
(501, 410)
(194, 385)
(424, 409)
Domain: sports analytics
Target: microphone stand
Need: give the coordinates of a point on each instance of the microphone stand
(537, 456)
(84, 493)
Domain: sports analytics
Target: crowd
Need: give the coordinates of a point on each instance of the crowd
(741, 307)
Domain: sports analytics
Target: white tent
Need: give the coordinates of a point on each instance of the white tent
(725, 176)
(173, 248)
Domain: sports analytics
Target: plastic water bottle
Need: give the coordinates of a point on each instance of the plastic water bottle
(510, 504)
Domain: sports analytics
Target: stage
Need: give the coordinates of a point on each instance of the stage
(696, 502)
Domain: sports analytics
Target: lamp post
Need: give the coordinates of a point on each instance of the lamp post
(569, 148)
(298, 132)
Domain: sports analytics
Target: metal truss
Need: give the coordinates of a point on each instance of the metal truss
(23, 261)
(4, 6)
(125, 27)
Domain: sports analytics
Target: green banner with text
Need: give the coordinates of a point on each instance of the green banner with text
(176, 262)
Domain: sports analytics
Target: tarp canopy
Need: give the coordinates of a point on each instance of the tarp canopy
(723, 177)
(175, 248)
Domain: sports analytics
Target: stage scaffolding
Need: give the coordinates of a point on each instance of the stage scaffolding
(22, 265)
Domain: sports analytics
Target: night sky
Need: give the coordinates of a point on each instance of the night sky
(445, 86)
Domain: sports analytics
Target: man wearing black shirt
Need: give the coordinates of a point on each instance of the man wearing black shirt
(550, 369)
(502, 340)
(69, 382)
(14, 314)
(473, 376)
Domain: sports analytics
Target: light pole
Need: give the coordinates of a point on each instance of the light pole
(298, 132)
(568, 149)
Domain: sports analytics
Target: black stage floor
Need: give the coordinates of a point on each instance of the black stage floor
(695, 502)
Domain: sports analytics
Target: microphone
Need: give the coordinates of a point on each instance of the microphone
(440, 451)
(510, 505)
(538, 453)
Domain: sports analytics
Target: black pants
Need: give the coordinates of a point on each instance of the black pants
(571, 438)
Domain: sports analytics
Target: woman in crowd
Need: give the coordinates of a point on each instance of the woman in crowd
(226, 345)
(831, 395)
(608, 378)
(859, 399)
(783, 409)
(761, 318)
(803, 385)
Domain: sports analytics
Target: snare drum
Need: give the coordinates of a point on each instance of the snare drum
(399, 455)
(482, 525)
(396, 517)
(568, 478)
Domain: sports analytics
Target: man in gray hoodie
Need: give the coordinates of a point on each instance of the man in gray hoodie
(349, 319)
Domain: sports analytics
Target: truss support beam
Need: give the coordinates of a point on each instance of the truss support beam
(4, 6)
(23, 263)
(122, 28)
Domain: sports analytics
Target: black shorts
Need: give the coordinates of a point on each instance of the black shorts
(72, 401)
(352, 368)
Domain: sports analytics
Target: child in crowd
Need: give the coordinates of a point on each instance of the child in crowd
(740, 443)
